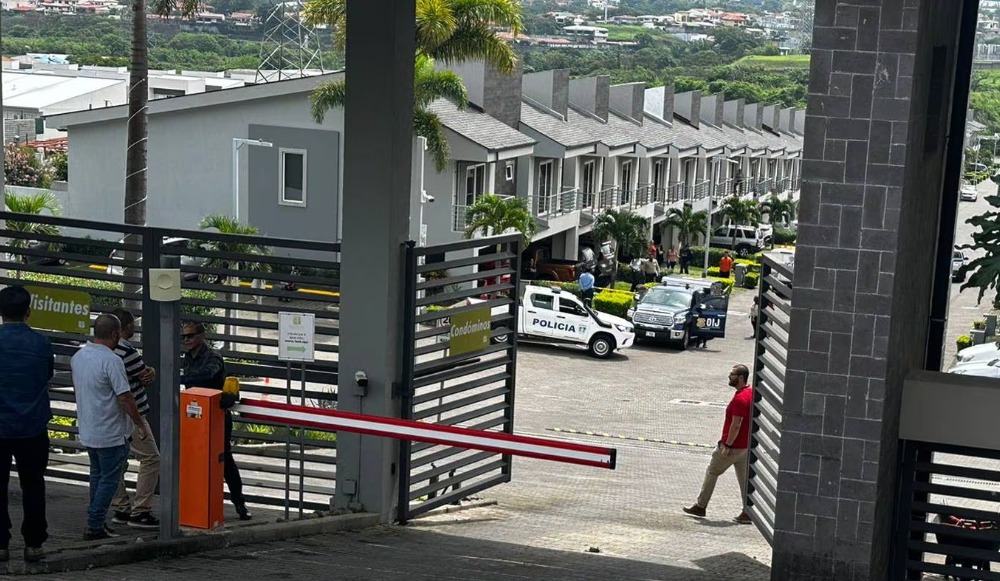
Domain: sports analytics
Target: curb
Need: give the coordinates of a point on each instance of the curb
(451, 509)
(111, 554)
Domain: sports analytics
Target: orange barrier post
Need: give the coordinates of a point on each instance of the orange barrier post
(202, 438)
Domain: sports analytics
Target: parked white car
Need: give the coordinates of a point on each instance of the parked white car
(989, 368)
(958, 259)
(745, 240)
(978, 354)
(968, 193)
(549, 315)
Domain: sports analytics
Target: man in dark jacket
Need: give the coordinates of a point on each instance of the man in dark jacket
(26, 364)
(686, 257)
(204, 367)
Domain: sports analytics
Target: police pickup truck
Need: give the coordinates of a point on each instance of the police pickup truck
(679, 309)
(549, 315)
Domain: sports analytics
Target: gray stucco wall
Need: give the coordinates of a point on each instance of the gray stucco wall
(190, 174)
(321, 213)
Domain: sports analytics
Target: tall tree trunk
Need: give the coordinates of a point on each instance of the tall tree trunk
(135, 154)
(138, 92)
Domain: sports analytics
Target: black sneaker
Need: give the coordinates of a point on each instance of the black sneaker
(4, 555)
(144, 520)
(100, 535)
(121, 517)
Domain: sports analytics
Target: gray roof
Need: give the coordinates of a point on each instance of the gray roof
(704, 135)
(479, 127)
(733, 137)
(565, 133)
(792, 142)
(618, 131)
(774, 142)
(756, 140)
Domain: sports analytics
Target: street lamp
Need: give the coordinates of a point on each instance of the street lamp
(239, 142)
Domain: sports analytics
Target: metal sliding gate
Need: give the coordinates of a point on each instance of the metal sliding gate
(235, 286)
(768, 388)
(448, 385)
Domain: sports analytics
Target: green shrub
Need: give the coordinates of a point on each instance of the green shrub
(714, 272)
(61, 421)
(613, 302)
(750, 280)
(963, 342)
(783, 236)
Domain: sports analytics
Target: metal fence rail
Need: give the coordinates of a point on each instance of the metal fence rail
(235, 285)
(775, 297)
(473, 389)
(948, 513)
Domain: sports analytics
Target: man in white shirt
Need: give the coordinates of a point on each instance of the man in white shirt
(106, 414)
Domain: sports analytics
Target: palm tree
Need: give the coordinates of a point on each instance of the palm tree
(626, 228)
(138, 95)
(687, 221)
(447, 30)
(779, 210)
(229, 225)
(739, 212)
(35, 205)
(492, 215)
(429, 85)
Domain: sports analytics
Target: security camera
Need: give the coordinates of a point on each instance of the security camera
(361, 379)
(427, 198)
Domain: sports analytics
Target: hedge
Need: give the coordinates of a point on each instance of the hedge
(963, 342)
(613, 302)
(783, 236)
(750, 280)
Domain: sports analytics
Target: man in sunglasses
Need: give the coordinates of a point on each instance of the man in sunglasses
(732, 448)
(204, 367)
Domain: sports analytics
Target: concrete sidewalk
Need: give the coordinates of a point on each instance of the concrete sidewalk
(67, 515)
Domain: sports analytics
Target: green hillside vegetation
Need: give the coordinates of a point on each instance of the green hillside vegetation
(792, 61)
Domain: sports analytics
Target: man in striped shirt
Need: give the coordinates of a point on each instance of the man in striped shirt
(138, 513)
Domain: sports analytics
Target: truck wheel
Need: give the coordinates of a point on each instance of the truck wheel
(743, 251)
(683, 343)
(602, 346)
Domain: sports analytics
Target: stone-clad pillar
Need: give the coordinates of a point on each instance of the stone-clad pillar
(878, 109)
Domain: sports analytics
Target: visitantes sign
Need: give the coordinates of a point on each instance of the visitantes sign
(469, 331)
(60, 310)
(296, 336)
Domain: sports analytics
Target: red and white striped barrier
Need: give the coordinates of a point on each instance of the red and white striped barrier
(541, 448)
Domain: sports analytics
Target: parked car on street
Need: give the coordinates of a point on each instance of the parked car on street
(990, 368)
(968, 193)
(679, 309)
(978, 354)
(186, 260)
(744, 240)
(958, 260)
(549, 315)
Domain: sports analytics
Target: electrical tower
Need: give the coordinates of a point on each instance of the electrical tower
(290, 46)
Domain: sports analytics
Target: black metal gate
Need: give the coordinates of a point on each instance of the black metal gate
(775, 308)
(235, 286)
(473, 388)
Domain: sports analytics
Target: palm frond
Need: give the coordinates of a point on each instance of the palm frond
(626, 228)
(435, 23)
(186, 8)
(332, 13)
(495, 215)
(501, 13)
(428, 125)
(429, 86)
(477, 42)
(326, 96)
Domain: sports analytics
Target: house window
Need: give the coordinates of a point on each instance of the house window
(589, 182)
(659, 173)
(626, 183)
(545, 199)
(292, 177)
(475, 183)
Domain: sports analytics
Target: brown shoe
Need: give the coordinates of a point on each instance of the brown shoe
(743, 519)
(695, 510)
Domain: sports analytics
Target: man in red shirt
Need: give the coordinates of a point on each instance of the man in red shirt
(725, 265)
(732, 448)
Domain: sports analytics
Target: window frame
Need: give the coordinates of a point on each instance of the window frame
(282, 201)
(552, 302)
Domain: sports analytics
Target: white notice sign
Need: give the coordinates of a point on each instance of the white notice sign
(296, 336)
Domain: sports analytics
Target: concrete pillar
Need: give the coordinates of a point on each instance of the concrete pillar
(377, 157)
(872, 204)
(571, 244)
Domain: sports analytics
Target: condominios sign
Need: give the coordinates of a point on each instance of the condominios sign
(469, 331)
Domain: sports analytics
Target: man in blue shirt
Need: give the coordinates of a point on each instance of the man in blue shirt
(587, 286)
(25, 370)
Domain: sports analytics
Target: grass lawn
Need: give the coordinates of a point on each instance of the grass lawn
(792, 61)
(623, 32)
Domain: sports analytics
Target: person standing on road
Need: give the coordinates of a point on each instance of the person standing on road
(587, 286)
(754, 314)
(687, 256)
(732, 448)
(671, 259)
(725, 265)
(204, 367)
(139, 512)
(26, 365)
(108, 418)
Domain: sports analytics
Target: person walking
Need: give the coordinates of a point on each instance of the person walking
(686, 257)
(637, 276)
(26, 365)
(204, 367)
(137, 513)
(725, 265)
(108, 419)
(754, 314)
(587, 286)
(672, 259)
(731, 450)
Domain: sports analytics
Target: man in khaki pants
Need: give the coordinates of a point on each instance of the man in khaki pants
(139, 513)
(732, 449)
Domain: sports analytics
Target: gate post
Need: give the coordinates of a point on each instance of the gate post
(376, 211)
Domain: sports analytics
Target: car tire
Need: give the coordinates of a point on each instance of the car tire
(743, 251)
(602, 346)
(683, 343)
